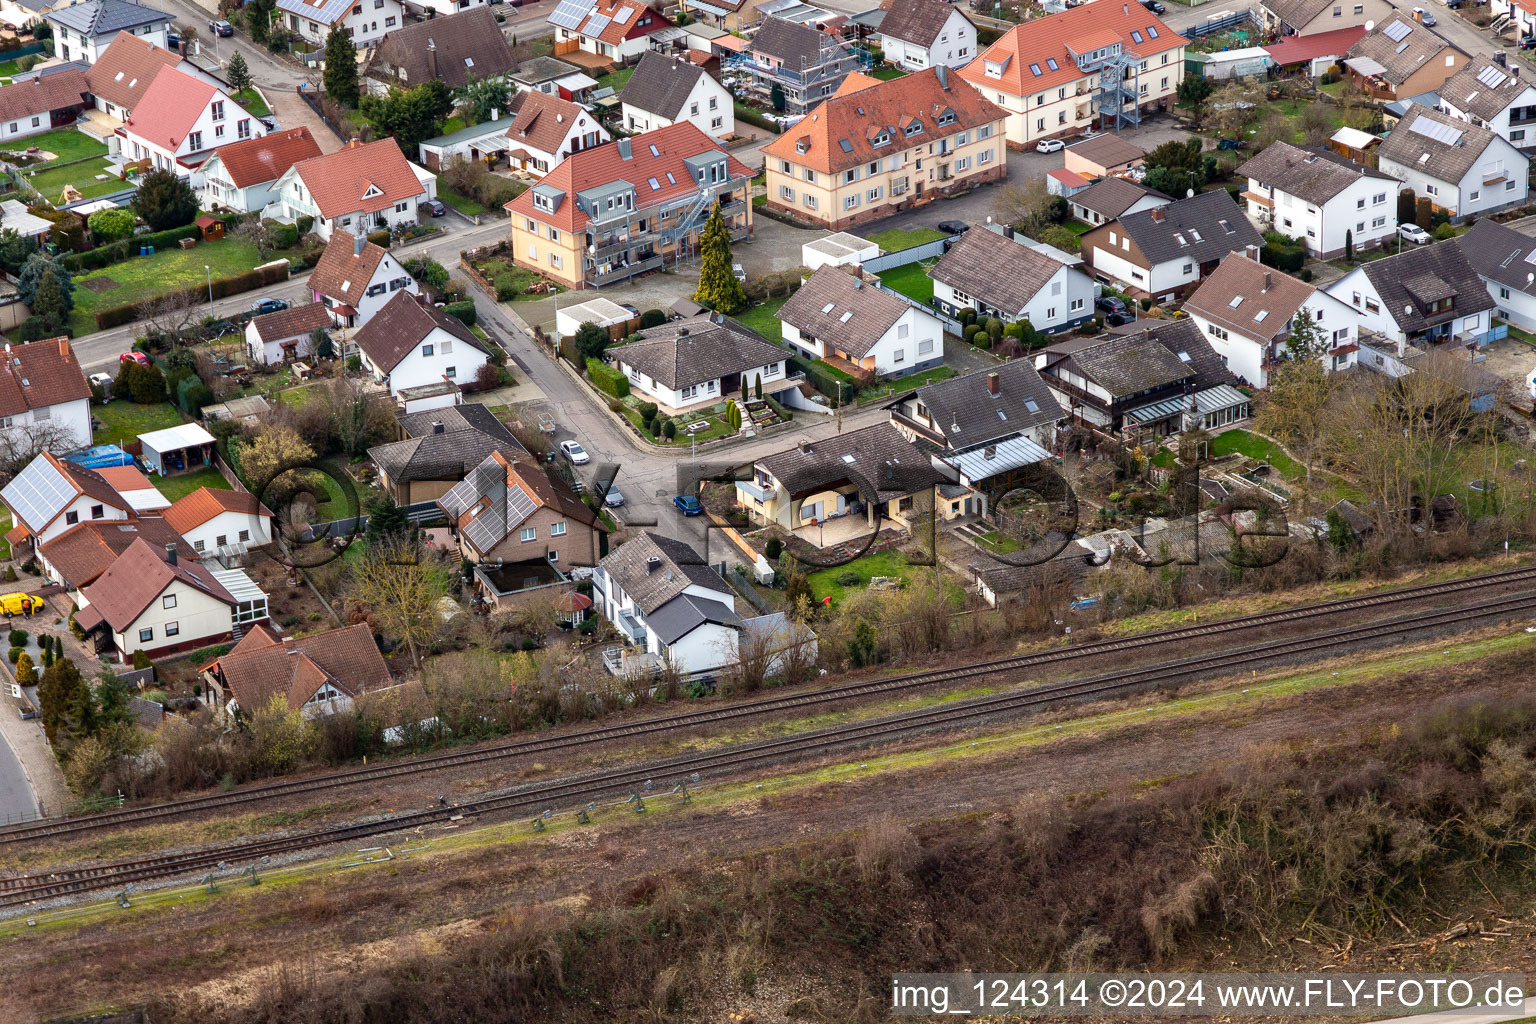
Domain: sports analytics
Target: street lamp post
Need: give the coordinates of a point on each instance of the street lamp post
(209, 270)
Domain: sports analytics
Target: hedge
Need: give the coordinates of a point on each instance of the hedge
(127, 248)
(380, 239)
(116, 316)
(607, 379)
(752, 117)
(825, 379)
(464, 311)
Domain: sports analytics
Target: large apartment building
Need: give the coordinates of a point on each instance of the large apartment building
(878, 147)
(607, 214)
(1101, 64)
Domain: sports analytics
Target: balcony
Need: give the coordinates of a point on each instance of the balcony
(624, 273)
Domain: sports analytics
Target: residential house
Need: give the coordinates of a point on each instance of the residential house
(843, 488)
(546, 129)
(143, 498)
(221, 521)
(548, 75)
(242, 176)
(431, 10)
(1518, 16)
(319, 674)
(1320, 198)
(182, 119)
(50, 98)
(1111, 198)
(801, 64)
(605, 215)
(439, 448)
(730, 15)
(19, 15)
(992, 426)
(880, 147)
(1150, 380)
(365, 22)
(1313, 55)
(485, 143)
(120, 79)
(860, 328)
(918, 34)
(1463, 169)
(1426, 296)
(1400, 58)
(79, 555)
(45, 400)
(83, 31)
(662, 597)
(50, 495)
(618, 29)
(1313, 17)
(1103, 156)
(468, 47)
(1491, 93)
(665, 90)
(509, 510)
(686, 365)
(1164, 252)
(1505, 259)
(1096, 64)
(154, 601)
(355, 278)
(287, 335)
(1248, 312)
(998, 274)
(366, 186)
(410, 343)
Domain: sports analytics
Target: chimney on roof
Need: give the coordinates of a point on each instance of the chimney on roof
(1252, 252)
(1268, 281)
(432, 58)
(495, 113)
(652, 564)
(1007, 230)
(1158, 214)
(437, 426)
(943, 73)
(64, 348)
(805, 447)
(354, 143)
(994, 384)
(288, 645)
(358, 241)
(682, 332)
(170, 554)
(1499, 58)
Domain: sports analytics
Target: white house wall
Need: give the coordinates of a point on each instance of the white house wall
(718, 122)
(74, 417)
(236, 120)
(205, 538)
(1513, 305)
(1470, 196)
(955, 47)
(366, 28)
(451, 357)
(196, 616)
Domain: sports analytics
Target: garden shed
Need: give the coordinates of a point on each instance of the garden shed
(211, 228)
(179, 449)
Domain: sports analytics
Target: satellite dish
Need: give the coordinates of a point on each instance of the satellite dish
(1370, 25)
(1189, 193)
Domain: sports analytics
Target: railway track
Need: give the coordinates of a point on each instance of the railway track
(17, 891)
(58, 827)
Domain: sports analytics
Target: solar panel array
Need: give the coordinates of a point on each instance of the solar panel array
(598, 23)
(1397, 30)
(622, 15)
(1491, 76)
(1431, 129)
(39, 493)
(570, 14)
(511, 507)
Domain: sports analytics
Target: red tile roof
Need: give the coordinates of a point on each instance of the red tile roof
(605, 164)
(365, 177)
(1295, 49)
(1089, 26)
(541, 120)
(340, 273)
(140, 575)
(125, 69)
(125, 478)
(842, 132)
(39, 374)
(254, 161)
(205, 503)
(66, 88)
(261, 665)
(621, 25)
(170, 107)
(85, 551)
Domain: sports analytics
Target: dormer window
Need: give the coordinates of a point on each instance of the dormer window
(883, 139)
(802, 145)
(948, 117)
(915, 128)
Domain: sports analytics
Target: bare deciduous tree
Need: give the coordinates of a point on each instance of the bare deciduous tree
(173, 316)
(401, 586)
(358, 413)
(19, 445)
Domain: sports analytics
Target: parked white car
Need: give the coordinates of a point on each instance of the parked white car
(1413, 234)
(1049, 146)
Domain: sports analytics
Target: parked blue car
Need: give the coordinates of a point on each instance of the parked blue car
(688, 505)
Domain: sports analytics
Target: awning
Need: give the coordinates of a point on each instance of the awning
(1222, 396)
(699, 5)
(1365, 66)
(1159, 411)
(88, 618)
(17, 534)
(992, 459)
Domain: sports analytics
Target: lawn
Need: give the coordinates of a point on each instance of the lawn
(463, 204)
(1255, 447)
(764, 318)
(145, 277)
(50, 181)
(5, 526)
(890, 563)
(65, 144)
(888, 72)
(251, 100)
(914, 380)
(9, 69)
(177, 487)
(1078, 227)
(911, 280)
(999, 543)
(616, 80)
(123, 420)
(894, 239)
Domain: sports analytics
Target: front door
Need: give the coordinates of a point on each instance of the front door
(919, 189)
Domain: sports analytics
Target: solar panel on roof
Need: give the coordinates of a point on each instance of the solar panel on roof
(39, 493)
(1397, 30)
(622, 15)
(1431, 129)
(1491, 76)
(597, 24)
(569, 14)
